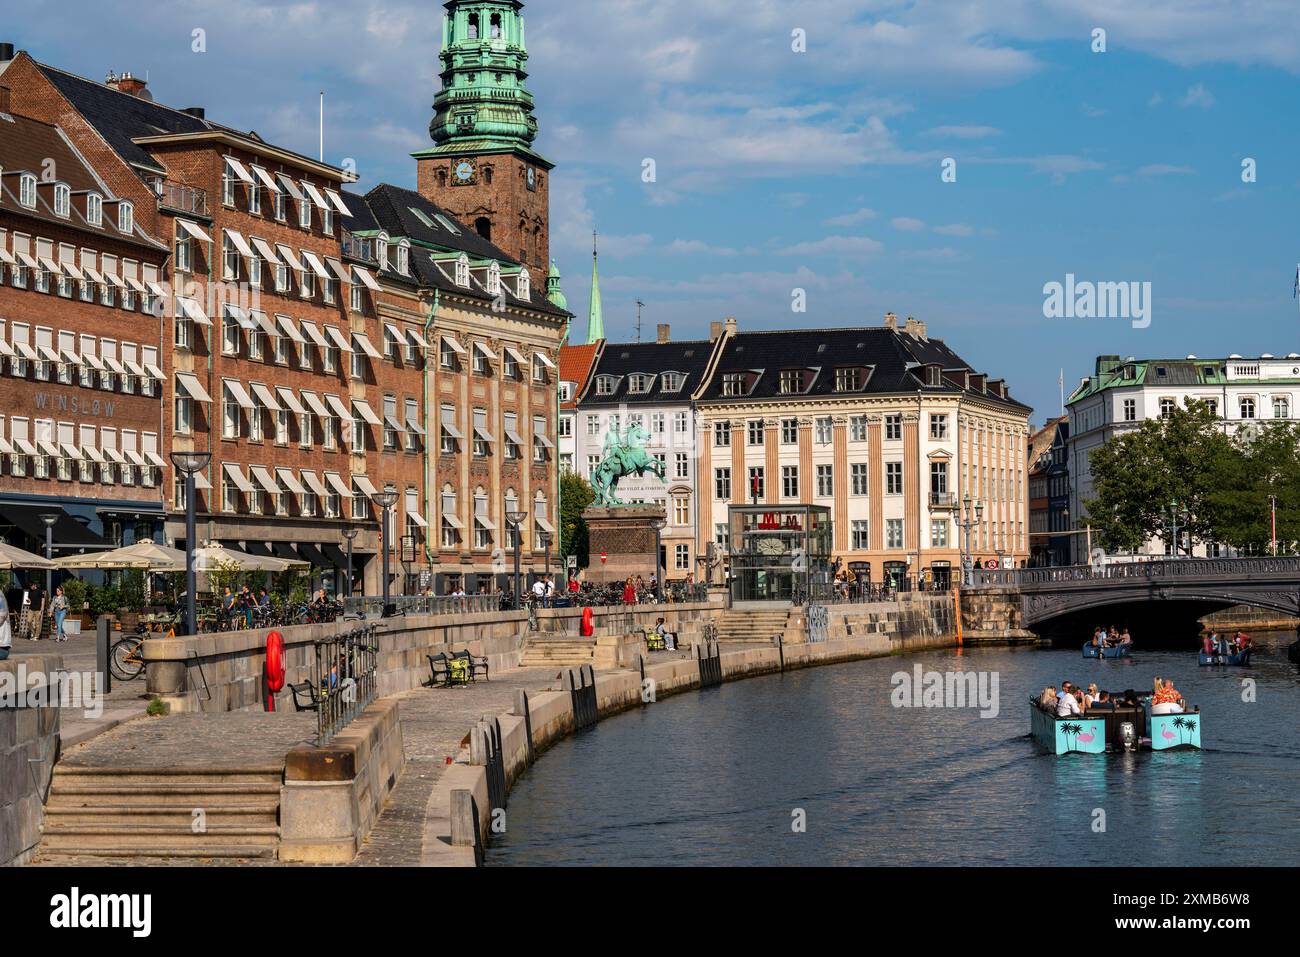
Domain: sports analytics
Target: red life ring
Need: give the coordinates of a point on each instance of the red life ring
(274, 667)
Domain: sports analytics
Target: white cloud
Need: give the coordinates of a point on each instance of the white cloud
(955, 229)
(692, 247)
(964, 132)
(907, 224)
(835, 246)
(1198, 95)
(1165, 169)
(852, 219)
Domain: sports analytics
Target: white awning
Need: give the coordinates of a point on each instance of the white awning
(71, 269)
(449, 425)
(25, 447)
(70, 451)
(266, 396)
(417, 338)
(395, 333)
(264, 479)
(337, 200)
(155, 460)
(455, 346)
(367, 413)
(237, 390)
(5, 447)
(68, 356)
(341, 271)
(339, 338)
(366, 278)
(201, 482)
(156, 288)
(363, 483)
(394, 423)
(7, 257)
(50, 265)
(193, 387)
(237, 168)
(193, 310)
(484, 434)
(317, 266)
(316, 405)
(287, 182)
(49, 353)
(545, 360)
(137, 285)
(135, 458)
(543, 440)
(360, 339)
(485, 351)
(451, 519)
(314, 334)
(267, 180)
(114, 365)
(417, 518)
(154, 371)
(236, 475)
(93, 361)
(267, 324)
(27, 352)
(315, 195)
(48, 448)
(514, 437)
(240, 242)
(288, 397)
(485, 521)
(337, 483)
(340, 409)
(194, 229)
(291, 257)
(413, 424)
(245, 321)
(267, 252)
(314, 483)
(290, 328)
(113, 455)
(92, 453)
(115, 279)
(546, 526)
(289, 481)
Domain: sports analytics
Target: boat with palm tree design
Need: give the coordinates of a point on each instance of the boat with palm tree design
(1125, 728)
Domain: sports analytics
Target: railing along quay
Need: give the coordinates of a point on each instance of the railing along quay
(345, 680)
(1135, 571)
(373, 607)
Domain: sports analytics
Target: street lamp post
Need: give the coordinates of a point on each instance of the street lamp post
(350, 534)
(49, 518)
(1176, 513)
(385, 500)
(659, 524)
(544, 539)
(190, 464)
(971, 515)
(516, 519)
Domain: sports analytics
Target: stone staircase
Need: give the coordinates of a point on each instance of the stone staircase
(557, 652)
(752, 626)
(228, 813)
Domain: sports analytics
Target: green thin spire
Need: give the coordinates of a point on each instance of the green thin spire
(596, 317)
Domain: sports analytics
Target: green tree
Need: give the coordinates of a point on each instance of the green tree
(1181, 459)
(575, 495)
(1265, 464)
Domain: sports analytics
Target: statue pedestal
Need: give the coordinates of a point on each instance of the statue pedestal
(626, 536)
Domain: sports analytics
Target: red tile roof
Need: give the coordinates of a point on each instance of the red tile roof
(575, 366)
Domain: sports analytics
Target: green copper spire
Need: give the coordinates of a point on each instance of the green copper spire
(484, 105)
(596, 317)
(553, 291)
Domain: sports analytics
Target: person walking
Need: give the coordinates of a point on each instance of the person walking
(6, 633)
(60, 607)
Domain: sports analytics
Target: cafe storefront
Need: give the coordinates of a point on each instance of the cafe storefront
(779, 553)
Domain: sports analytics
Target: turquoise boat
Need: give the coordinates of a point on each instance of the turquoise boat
(1169, 731)
(1073, 735)
(1100, 731)
(1241, 659)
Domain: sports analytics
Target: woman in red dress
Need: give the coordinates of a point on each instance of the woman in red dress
(629, 592)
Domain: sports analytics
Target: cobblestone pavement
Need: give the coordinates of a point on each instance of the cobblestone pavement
(233, 739)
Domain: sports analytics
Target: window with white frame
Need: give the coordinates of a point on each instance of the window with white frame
(825, 481)
(125, 217)
(858, 534)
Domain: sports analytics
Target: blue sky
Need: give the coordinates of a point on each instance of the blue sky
(820, 170)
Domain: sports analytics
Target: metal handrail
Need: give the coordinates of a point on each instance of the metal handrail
(345, 667)
(1132, 571)
(373, 607)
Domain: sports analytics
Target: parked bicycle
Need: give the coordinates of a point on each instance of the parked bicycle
(126, 659)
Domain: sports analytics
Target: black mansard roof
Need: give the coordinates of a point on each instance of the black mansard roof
(654, 359)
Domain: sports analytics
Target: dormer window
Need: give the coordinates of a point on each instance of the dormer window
(381, 250)
(125, 217)
(95, 209)
(462, 270)
(793, 381)
(62, 200)
(672, 381)
(606, 384)
(639, 383)
(735, 384)
(494, 279)
(525, 286)
(404, 257)
(27, 190)
(849, 379)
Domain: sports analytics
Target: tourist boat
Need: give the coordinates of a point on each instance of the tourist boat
(1242, 658)
(1118, 651)
(1124, 729)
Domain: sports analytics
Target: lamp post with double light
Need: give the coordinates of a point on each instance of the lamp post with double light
(972, 513)
(659, 524)
(385, 500)
(190, 464)
(516, 521)
(49, 518)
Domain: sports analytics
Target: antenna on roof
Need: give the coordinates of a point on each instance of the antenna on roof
(639, 306)
(322, 126)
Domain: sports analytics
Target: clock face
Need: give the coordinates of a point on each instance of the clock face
(464, 171)
(532, 178)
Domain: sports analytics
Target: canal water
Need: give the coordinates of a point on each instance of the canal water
(722, 777)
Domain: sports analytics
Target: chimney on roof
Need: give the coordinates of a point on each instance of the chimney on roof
(663, 333)
(731, 325)
(914, 328)
(891, 321)
(126, 83)
(715, 331)
(6, 52)
(195, 111)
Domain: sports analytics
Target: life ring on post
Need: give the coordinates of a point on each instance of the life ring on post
(274, 667)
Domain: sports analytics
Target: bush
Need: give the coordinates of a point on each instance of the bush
(158, 708)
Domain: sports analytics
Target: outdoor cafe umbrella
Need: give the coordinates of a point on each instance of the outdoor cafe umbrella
(148, 555)
(213, 557)
(11, 557)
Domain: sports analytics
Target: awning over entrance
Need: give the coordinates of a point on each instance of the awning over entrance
(313, 554)
(68, 532)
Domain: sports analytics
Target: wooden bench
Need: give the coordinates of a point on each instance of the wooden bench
(439, 670)
(477, 666)
(304, 697)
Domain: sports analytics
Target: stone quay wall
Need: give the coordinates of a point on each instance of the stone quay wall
(29, 746)
(915, 623)
(224, 671)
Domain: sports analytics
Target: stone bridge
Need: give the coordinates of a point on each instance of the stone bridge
(1211, 583)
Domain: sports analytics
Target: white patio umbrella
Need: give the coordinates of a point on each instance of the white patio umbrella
(211, 557)
(147, 555)
(12, 557)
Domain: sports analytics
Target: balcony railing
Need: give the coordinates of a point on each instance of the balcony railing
(943, 500)
(186, 199)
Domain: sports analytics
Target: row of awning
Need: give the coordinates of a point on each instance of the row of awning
(326, 267)
(65, 355)
(483, 349)
(79, 453)
(323, 196)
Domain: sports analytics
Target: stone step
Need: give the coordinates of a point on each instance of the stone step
(150, 777)
(59, 817)
(151, 793)
(95, 838)
(228, 854)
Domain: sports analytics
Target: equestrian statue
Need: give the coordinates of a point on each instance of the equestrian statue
(625, 455)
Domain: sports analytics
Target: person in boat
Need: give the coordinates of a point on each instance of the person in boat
(1112, 637)
(1124, 637)
(1067, 704)
(1167, 700)
(1089, 697)
(1129, 699)
(1104, 702)
(1047, 700)
(1243, 642)
(1208, 647)
(1097, 637)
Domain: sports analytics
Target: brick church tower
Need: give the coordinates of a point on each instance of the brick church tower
(482, 167)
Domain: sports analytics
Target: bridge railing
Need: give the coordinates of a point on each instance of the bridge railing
(1134, 571)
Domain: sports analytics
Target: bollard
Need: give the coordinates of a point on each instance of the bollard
(464, 823)
(103, 630)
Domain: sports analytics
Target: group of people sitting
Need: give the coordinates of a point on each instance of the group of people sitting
(1216, 644)
(1111, 637)
(1072, 699)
